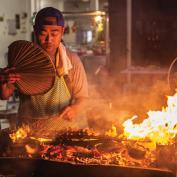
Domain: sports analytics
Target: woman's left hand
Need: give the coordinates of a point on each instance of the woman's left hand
(68, 113)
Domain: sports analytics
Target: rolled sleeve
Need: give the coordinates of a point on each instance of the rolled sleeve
(78, 78)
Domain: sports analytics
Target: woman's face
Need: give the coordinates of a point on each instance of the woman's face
(49, 38)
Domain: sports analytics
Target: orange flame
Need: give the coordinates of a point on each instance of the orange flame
(112, 132)
(160, 126)
(20, 134)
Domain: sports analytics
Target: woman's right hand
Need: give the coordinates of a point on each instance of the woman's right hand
(8, 76)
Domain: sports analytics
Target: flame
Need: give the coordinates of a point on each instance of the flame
(20, 134)
(112, 132)
(30, 149)
(159, 127)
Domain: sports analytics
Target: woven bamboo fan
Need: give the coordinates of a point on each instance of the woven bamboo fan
(36, 69)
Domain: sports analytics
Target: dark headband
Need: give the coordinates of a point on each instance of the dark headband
(43, 18)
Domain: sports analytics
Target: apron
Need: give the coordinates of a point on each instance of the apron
(52, 102)
(46, 110)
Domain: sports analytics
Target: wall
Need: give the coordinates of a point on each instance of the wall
(51, 3)
(8, 10)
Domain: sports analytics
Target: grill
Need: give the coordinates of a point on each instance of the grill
(24, 167)
(21, 166)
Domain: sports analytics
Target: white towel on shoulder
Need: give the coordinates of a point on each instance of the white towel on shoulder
(65, 59)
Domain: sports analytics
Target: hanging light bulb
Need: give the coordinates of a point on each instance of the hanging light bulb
(98, 18)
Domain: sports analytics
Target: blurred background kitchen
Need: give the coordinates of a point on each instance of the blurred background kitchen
(126, 47)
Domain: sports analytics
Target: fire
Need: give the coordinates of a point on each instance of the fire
(159, 127)
(112, 132)
(20, 134)
(30, 149)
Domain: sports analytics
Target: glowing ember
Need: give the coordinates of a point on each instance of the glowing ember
(41, 140)
(20, 134)
(159, 126)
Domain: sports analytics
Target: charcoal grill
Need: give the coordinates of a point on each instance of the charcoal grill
(27, 167)
(21, 166)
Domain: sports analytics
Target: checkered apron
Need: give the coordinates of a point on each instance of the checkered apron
(52, 102)
(47, 109)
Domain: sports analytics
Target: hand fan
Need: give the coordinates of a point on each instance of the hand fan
(36, 69)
